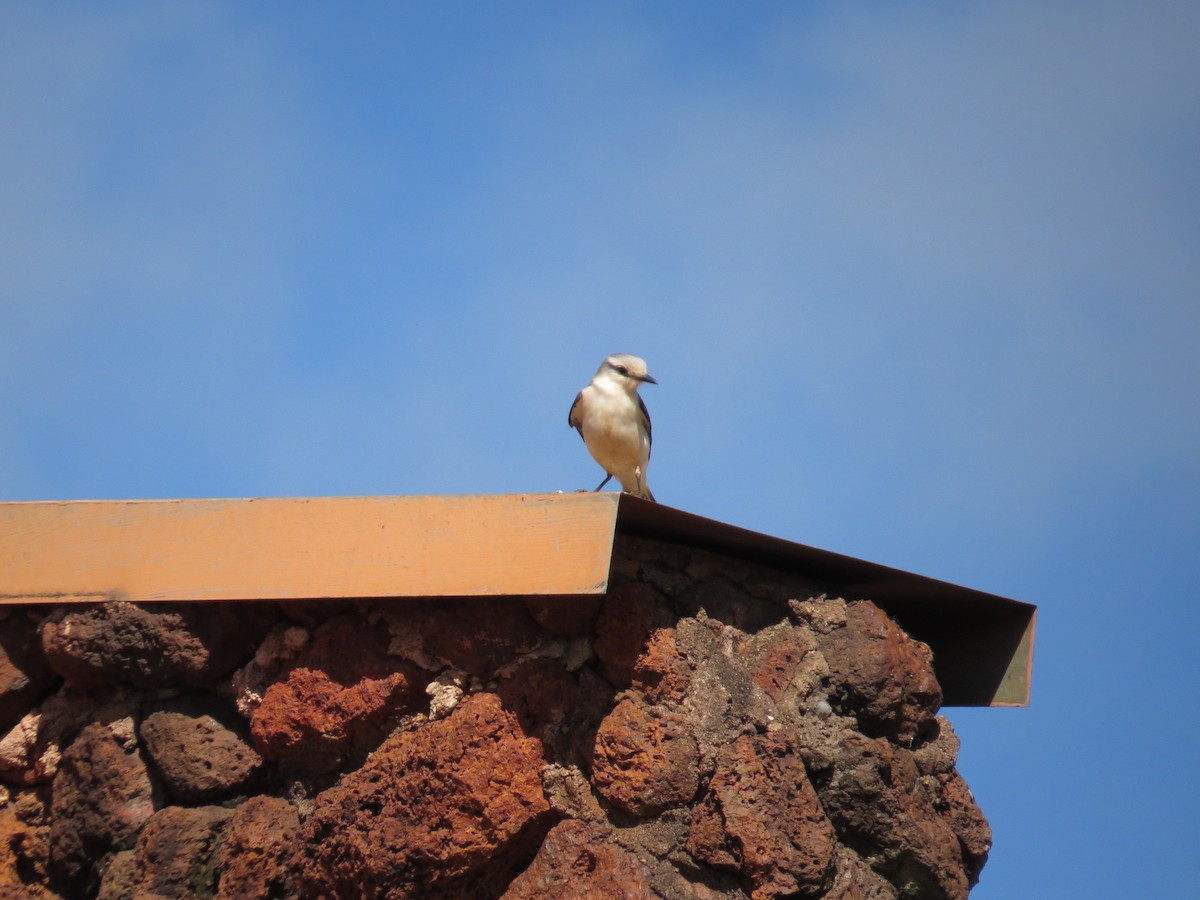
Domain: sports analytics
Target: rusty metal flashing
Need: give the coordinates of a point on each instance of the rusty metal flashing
(982, 643)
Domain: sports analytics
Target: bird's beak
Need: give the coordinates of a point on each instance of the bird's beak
(649, 378)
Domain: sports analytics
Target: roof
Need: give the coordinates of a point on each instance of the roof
(484, 545)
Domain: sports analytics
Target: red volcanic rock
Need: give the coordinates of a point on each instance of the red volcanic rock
(30, 753)
(335, 699)
(646, 759)
(560, 708)
(103, 796)
(957, 805)
(631, 614)
(760, 747)
(723, 700)
(881, 808)
(25, 675)
(254, 858)
(884, 677)
(196, 748)
(453, 808)
(475, 636)
(576, 862)
(856, 880)
(175, 856)
(153, 646)
(662, 673)
(774, 657)
(723, 599)
(761, 817)
(939, 751)
(24, 844)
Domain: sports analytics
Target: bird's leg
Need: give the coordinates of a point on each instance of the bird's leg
(606, 480)
(642, 490)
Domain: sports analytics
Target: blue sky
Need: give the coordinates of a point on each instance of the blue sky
(920, 285)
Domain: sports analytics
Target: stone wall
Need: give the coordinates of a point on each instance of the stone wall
(709, 729)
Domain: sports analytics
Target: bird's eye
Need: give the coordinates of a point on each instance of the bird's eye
(622, 370)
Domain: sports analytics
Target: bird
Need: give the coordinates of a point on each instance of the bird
(612, 420)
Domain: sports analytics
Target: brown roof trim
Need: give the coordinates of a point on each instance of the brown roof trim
(439, 546)
(982, 643)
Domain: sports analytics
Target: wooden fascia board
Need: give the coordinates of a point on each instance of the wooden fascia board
(314, 547)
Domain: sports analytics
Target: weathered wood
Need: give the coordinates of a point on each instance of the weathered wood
(317, 547)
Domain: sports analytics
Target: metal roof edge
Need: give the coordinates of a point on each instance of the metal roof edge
(982, 642)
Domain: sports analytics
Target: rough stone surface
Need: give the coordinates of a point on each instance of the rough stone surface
(464, 635)
(881, 809)
(956, 803)
(334, 699)
(454, 806)
(856, 880)
(24, 842)
(939, 753)
(175, 856)
(631, 614)
(152, 646)
(789, 851)
(646, 759)
(559, 708)
(197, 747)
(885, 677)
(103, 796)
(578, 862)
(25, 675)
(31, 751)
(710, 728)
(255, 858)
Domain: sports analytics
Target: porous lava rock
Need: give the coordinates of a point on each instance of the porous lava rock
(462, 634)
(255, 858)
(762, 818)
(709, 728)
(884, 676)
(24, 843)
(454, 808)
(197, 747)
(578, 861)
(646, 759)
(562, 709)
(566, 616)
(31, 751)
(152, 645)
(630, 615)
(103, 795)
(335, 699)
(881, 809)
(175, 856)
(25, 675)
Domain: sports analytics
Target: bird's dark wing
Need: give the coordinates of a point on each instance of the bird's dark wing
(573, 419)
(646, 419)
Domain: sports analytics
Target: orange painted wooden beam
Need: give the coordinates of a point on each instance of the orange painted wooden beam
(316, 547)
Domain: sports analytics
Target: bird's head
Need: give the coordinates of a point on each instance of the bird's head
(627, 370)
